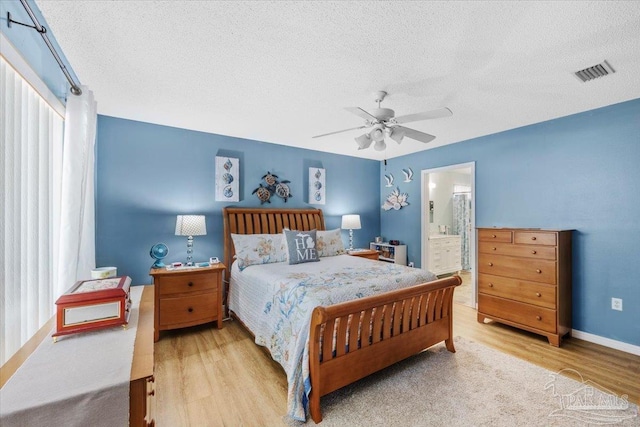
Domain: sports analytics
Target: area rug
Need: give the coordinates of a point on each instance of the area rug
(476, 386)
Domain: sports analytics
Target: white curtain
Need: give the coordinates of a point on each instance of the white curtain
(30, 152)
(76, 249)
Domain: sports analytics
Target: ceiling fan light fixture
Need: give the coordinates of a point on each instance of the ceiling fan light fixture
(397, 135)
(377, 134)
(363, 141)
(379, 145)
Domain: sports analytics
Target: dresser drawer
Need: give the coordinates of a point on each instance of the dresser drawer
(494, 235)
(518, 290)
(188, 310)
(518, 312)
(534, 238)
(537, 270)
(517, 250)
(181, 283)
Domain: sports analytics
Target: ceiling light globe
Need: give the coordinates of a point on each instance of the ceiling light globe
(379, 145)
(363, 141)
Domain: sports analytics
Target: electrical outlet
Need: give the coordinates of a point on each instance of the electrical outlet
(616, 304)
(411, 264)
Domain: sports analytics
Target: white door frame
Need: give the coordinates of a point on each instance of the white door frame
(424, 213)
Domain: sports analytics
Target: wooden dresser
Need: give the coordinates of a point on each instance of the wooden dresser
(524, 279)
(187, 297)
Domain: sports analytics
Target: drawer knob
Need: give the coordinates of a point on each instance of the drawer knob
(534, 252)
(538, 294)
(493, 236)
(491, 285)
(538, 271)
(533, 237)
(490, 264)
(190, 310)
(190, 284)
(493, 249)
(538, 318)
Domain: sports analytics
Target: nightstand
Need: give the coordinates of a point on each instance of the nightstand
(187, 297)
(365, 253)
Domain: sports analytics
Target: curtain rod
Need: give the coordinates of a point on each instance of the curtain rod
(75, 89)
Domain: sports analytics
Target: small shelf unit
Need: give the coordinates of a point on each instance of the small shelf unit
(390, 253)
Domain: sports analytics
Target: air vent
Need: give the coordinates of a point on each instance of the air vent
(595, 71)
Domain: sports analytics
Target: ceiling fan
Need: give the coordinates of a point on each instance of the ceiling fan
(384, 123)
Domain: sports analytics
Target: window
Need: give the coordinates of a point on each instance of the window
(31, 136)
(459, 188)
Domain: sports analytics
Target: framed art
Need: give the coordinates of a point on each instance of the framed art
(317, 186)
(227, 179)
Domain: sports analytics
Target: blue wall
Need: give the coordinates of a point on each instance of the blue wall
(579, 172)
(147, 174)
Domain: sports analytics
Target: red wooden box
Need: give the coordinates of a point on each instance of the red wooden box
(93, 304)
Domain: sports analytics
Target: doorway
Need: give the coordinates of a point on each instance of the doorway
(448, 226)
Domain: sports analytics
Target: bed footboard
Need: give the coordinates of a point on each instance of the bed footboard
(354, 339)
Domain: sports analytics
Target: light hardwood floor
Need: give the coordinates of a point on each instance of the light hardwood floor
(210, 377)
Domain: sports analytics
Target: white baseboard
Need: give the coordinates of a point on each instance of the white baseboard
(607, 342)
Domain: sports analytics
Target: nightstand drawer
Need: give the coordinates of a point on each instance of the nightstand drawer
(185, 283)
(189, 310)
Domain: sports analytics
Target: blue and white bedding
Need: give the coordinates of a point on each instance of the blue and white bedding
(275, 302)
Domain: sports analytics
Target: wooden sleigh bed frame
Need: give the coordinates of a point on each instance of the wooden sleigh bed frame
(351, 340)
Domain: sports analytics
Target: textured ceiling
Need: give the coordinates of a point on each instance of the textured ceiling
(282, 72)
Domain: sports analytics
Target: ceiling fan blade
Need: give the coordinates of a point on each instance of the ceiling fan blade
(361, 113)
(416, 134)
(433, 114)
(338, 131)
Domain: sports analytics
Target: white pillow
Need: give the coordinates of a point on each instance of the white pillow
(252, 249)
(329, 243)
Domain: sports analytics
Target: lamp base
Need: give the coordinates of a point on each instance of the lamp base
(350, 239)
(189, 251)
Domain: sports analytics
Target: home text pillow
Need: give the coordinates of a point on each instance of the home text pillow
(329, 243)
(252, 249)
(301, 246)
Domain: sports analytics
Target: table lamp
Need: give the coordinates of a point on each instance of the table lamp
(190, 225)
(351, 222)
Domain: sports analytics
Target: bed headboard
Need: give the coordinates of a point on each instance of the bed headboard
(265, 221)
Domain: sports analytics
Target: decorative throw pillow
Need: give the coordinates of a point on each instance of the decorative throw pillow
(252, 249)
(301, 246)
(329, 243)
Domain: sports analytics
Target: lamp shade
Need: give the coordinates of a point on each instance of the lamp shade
(379, 145)
(364, 141)
(397, 135)
(351, 222)
(191, 225)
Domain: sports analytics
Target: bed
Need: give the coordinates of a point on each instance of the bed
(333, 322)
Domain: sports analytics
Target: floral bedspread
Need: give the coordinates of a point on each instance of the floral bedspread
(293, 291)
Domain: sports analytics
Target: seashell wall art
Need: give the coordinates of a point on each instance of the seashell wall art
(317, 186)
(227, 179)
(396, 200)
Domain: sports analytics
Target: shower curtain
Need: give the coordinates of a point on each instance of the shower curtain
(462, 225)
